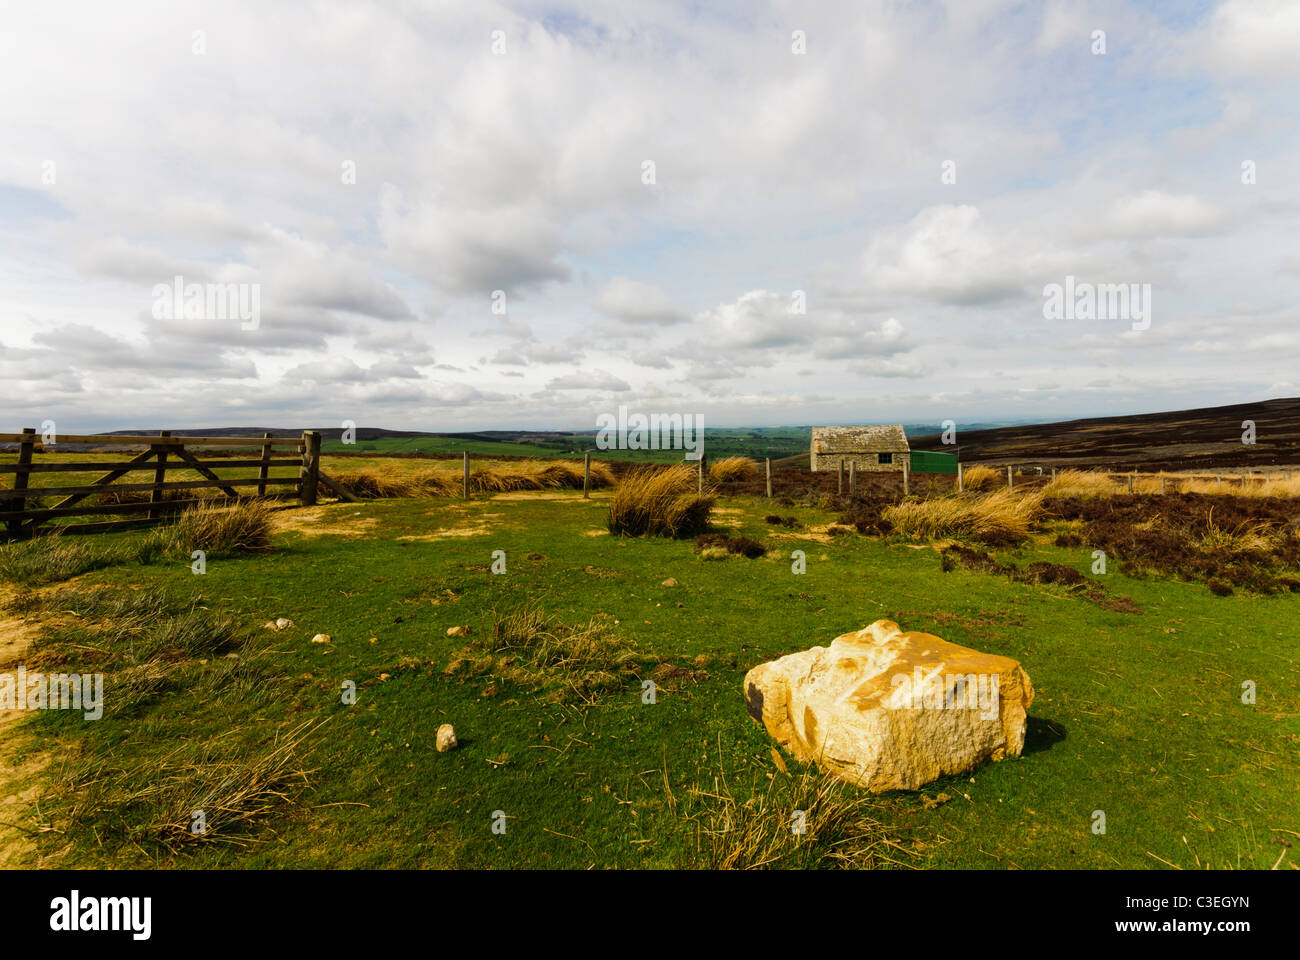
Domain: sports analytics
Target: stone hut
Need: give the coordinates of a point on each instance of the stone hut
(878, 448)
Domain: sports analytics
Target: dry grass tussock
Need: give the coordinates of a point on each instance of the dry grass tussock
(1092, 483)
(219, 528)
(1080, 483)
(979, 478)
(394, 481)
(732, 468)
(1255, 487)
(660, 502)
(1003, 516)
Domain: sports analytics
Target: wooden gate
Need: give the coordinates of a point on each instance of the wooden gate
(23, 516)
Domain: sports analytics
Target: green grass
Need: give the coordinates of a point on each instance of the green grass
(1136, 715)
(755, 442)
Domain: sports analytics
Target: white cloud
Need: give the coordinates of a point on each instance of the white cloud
(522, 173)
(588, 380)
(637, 303)
(1256, 38)
(1154, 213)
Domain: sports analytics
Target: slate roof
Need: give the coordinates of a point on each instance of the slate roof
(878, 438)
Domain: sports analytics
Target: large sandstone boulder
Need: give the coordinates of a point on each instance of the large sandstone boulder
(889, 710)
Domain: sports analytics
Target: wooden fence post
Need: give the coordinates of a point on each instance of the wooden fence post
(1130, 483)
(309, 474)
(840, 492)
(586, 474)
(1219, 480)
(1053, 473)
(159, 475)
(1162, 483)
(769, 478)
(465, 478)
(700, 488)
(906, 489)
(25, 448)
(960, 483)
(853, 479)
(1010, 482)
(264, 469)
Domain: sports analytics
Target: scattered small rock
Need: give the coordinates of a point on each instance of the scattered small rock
(458, 631)
(446, 741)
(670, 582)
(321, 638)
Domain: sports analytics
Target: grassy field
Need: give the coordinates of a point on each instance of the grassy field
(1138, 715)
(755, 442)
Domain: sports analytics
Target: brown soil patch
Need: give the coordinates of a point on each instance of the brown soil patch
(570, 497)
(815, 532)
(332, 520)
(478, 524)
(451, 532)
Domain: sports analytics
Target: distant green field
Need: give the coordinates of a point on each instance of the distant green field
(774, 442)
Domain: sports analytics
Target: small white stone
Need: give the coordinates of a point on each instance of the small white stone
(321, 638)
(446, 738)
(283, 623)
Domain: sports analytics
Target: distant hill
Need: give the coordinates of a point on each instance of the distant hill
(1207, 438)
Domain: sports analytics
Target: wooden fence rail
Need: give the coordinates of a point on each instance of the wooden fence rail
(22, 511)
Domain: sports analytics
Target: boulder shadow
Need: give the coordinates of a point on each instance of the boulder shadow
(1041, 734)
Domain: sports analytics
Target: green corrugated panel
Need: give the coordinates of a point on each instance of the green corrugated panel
(927, 461)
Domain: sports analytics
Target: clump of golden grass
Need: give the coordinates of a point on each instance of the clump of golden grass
(1246, 538)
(387, 480)
(1080, 483)
(1089, 483)
(219, 529)
(1003, 516)
(527, 648)
(390, 480)
(981, 478)
(834, 821)
(660, 502)
(537, 475)
(1254, 486)
(729, 469)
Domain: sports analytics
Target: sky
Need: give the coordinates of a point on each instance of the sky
(467, 216)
